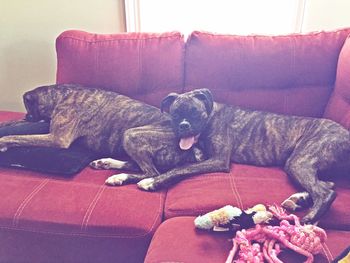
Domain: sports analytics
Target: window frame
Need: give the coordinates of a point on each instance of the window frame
(133, 19)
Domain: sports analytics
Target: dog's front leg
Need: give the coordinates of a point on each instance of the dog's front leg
(180, 173)
(219, 149)
(11, 123)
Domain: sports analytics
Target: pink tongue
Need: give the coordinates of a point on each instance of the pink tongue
(186, 143)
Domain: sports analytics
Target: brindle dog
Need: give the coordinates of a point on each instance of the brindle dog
(106, 122)
(306, 147)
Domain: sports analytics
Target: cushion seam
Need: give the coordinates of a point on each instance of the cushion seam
(235, 191)
(72, 233)
(91, 208)
(327, 253)
(120, 39)
(26, 201)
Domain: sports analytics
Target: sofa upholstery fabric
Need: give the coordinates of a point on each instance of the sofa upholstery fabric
(291, 74)
(146, 66)
(338, 108)
(177, 241)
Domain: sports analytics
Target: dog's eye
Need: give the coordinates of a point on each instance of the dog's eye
(195, 114)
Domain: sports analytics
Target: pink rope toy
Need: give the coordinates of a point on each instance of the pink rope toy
(264, 243)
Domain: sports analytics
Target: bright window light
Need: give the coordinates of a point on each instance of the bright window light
(221, 16)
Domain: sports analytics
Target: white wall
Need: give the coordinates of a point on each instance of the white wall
(326, 15)
(28, 29)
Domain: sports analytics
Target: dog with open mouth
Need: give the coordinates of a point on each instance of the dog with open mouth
(307, 148)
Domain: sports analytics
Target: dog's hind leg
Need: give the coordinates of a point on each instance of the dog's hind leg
(62, 133)
(303, 168)
(111, 164)
(47, 140)
(25, 140)
(11, 123)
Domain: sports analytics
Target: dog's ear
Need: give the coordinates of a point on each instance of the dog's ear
(27, 97)
(205, 96)
(168, 100)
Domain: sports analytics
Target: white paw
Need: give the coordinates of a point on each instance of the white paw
(117, 179)
(3, 148)
(289, 205)
(146, 184)
(107, 163)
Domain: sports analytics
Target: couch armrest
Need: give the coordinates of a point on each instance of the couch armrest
(338, 108)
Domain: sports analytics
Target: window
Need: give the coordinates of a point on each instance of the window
(221, 16)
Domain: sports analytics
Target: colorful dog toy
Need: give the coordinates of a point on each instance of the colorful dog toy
(232, 218)
(265, 242)
(264, 233)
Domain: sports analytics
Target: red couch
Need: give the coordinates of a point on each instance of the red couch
(44, 218)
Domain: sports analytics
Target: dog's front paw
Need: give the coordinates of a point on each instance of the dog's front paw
(147, 184)
(117, 179)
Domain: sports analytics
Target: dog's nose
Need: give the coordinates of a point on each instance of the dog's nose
(184, 125)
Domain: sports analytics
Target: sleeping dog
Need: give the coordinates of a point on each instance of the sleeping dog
(105, 122)
(306, 147)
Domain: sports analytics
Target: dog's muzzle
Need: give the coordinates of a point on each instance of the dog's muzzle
(184, 126)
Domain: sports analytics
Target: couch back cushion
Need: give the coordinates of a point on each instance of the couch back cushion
(141, 65)
(338, 108)
(291, 74)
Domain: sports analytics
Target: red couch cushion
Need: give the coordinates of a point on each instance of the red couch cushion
(10, 115)
(338, 108)
(177, 240)
(286, 74)
(245, 186)
(144, 66)
(75, 212)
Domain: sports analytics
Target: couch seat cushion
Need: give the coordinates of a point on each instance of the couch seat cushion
(245, 186)
(10, 115)
(177, 240)
(75, 218)
(82, 208)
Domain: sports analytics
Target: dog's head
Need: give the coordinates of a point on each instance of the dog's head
(38, 103)
(190, 113)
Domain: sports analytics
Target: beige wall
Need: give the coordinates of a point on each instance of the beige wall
(28, 30)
